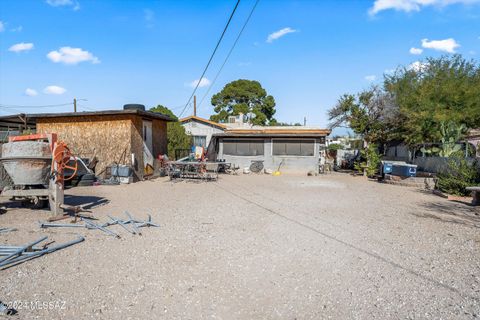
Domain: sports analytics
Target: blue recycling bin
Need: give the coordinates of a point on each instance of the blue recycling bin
(404, 170)
(387, 167)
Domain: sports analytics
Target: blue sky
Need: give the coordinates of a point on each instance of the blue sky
(117, 52)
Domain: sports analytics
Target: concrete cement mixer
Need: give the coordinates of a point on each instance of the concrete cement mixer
(36, 165)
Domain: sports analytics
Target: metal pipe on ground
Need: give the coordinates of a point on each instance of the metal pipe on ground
(121, 223)
(96, 226)
(18, 247)
(148, 223)
(59, 225)
(6, 311)
(5, 253)
(6, 230)
(133, 223)
(40, 253)
(4, 261)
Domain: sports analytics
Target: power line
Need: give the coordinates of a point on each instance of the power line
(9, 111)
(211, 57)
(229, 53)
(44, 106)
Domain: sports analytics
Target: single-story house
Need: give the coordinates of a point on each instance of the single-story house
(132, 137)
(201, 129)
(292, 148)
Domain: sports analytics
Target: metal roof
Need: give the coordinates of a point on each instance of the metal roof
(267, 135)
(142, 113)
(30, 120)
(198, 119)
(266, 131)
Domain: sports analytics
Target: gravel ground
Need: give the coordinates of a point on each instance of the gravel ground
(255, 247)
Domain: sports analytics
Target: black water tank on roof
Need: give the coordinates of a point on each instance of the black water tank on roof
(134, 106)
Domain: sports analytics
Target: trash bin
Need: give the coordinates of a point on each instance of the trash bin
(387, 167)
(404, 170)
(121, 171)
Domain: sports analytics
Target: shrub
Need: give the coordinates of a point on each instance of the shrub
(334, 147)
(458, 176)
(370, 161)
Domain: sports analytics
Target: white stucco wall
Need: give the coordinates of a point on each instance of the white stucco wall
(298, 164)
(200, 129)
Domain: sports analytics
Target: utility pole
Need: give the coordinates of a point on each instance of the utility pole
(195, 106)
(74, 104)
(304, 121)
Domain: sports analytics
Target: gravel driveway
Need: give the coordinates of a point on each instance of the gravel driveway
(256, 247)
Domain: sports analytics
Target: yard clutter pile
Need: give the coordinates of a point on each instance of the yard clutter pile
(132, 222)
(13, 255)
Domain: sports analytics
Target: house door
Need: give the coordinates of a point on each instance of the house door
(147, 143)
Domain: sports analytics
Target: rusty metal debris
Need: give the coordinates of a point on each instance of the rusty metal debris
(73, 212)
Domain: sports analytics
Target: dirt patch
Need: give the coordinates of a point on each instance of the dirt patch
(254, 247)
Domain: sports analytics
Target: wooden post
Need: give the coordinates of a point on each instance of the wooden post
(195, 105)
(55, 197)
(75, 104)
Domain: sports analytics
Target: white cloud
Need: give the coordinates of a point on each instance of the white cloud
(68, 55)
(280, 33)
(59, 3)
(64, 3)
(203, 83)
(31, 92)
(2, 26)
(417, 66)
(413, 5)
(22, 46)
(371, 78)
(54, 90)
(17, 29)
(416, 51)
(448, 45)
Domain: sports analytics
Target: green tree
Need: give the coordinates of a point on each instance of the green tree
(177, 138)
(438, 90)
(371, 114)
(335, 147)
(247, 97)
(284, 124)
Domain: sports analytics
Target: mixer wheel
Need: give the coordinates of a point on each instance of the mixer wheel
(35, 203)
